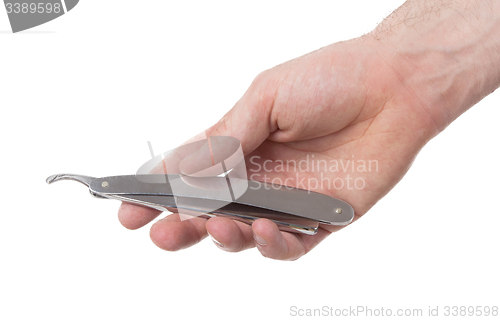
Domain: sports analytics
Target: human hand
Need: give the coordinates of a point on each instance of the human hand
(359, 101)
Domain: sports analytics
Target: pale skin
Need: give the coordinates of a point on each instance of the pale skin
(380, 97)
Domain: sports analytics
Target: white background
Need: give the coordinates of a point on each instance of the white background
(84, 93)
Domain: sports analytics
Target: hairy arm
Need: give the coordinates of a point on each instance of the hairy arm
(446, 51)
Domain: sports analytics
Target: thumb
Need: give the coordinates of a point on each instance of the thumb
(249, 120)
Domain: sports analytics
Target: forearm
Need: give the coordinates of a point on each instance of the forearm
(446, 52)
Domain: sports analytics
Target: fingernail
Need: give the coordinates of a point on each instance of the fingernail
(259, 240)
(217, 243)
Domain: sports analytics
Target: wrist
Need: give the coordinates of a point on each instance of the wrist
(446, 55)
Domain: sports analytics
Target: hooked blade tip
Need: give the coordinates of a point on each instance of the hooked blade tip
(51, 179)
(86, 180)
